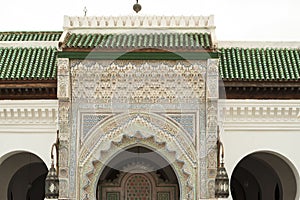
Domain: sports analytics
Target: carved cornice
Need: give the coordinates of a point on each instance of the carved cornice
(117, 22)
(260, 114)
(28, 116)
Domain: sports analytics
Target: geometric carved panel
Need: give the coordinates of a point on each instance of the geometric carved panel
(187, 121)
(89, 121)
(163, 196)
(113, 196)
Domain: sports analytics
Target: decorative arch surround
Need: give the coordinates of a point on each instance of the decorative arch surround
(167, 141)
(147, 124)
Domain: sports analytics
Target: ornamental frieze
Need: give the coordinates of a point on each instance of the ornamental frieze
(137, 82)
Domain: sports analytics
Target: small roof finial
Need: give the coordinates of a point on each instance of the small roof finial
(137, 7)
(85, 10)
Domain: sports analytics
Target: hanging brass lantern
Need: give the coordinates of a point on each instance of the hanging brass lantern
(52, 180)
(221, 183)
(52, 184)
(222, 180)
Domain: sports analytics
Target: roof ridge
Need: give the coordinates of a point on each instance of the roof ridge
(37, 47)
(30, 36)
(259, 44)
(28, 44)
(262, 48)
(9, 32)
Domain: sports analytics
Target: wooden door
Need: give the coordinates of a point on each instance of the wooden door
(139, 186)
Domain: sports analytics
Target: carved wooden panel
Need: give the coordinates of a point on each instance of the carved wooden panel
(113, 196)
(163, 196)
(138, 187)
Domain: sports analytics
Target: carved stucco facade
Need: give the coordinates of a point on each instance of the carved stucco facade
(166, 106)
(247, 126)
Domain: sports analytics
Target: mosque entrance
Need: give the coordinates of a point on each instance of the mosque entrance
(138, 173)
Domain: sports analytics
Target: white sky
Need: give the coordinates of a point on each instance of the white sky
(266, 20)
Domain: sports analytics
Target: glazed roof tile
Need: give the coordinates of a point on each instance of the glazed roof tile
(243, 64)
(30, 36)
(28, 63)
(249, 64)
(131, 41)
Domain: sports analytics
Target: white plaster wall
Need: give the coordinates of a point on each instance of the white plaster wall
(244, 133)
(28, 125)
(247, 126)
(38, 144)
(242, 143)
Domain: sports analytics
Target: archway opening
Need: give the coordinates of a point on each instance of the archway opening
(22, 175)
(264, 175)
(138, 173)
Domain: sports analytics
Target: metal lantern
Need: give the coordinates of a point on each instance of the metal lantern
(52, 180)
(221, 183)
(52, 184)
(222, 180)
(137, 7)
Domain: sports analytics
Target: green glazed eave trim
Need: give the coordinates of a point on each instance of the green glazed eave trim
(156, 40)
(139, 55)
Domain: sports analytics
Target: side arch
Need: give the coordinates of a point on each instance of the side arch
(283, 181)
(22, 174)
(143, 130)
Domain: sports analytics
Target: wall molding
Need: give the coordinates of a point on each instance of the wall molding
(242, 115)
(28, 116)
(38, 116)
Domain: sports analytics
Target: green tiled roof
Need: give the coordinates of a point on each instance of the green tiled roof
(30, 36)
(259, 64)
(28, 63)
(130, 41)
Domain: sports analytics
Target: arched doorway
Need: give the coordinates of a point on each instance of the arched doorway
(22, 177)
(138, 173)
(264, 175)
